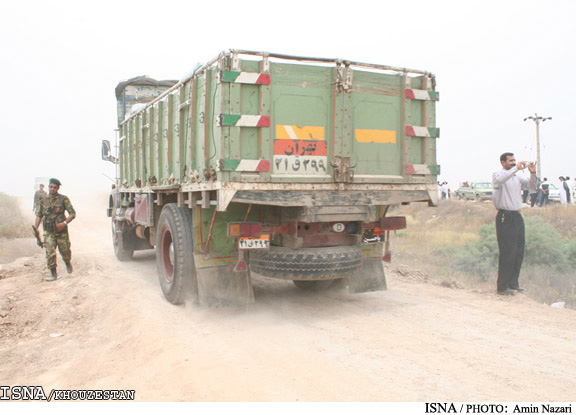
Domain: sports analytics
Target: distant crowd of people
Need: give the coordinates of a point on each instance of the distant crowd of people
(443, 191)
(541, 195)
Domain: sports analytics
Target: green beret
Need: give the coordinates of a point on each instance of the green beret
(56, 182)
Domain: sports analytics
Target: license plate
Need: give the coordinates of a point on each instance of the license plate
(373, 239)
(254, 243)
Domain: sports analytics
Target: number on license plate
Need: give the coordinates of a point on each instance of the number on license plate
(254, 243)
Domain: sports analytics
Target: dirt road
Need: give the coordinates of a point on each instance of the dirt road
(107, 326)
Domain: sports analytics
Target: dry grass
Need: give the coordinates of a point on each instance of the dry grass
(450, 226)
(434, 235)
(563, 218)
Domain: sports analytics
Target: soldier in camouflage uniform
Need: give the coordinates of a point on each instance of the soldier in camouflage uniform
(55, 223)
(38, 196)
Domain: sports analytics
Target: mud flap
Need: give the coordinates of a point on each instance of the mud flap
(370, 278)
(220, 286)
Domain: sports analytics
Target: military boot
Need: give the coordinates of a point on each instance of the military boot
(69, 268)
(53, 275)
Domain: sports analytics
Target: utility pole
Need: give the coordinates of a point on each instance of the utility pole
(536, 118)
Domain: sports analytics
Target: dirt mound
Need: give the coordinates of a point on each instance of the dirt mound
(31, 308)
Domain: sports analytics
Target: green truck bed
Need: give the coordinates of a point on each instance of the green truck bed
(250, 118)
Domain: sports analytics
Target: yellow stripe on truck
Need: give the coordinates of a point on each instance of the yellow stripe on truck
(293, 132)
(376, 136)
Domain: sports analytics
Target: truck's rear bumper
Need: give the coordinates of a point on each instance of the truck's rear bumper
(305, 194)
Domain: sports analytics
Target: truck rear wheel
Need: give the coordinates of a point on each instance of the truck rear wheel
(307, 264)
(175, 254)
(118, 240)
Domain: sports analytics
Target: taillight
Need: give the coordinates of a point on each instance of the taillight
(372, 233)
(393, 223)
(244, 229)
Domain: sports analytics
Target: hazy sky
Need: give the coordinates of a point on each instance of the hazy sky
(495, 62)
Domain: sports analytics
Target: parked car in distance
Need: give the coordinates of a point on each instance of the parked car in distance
(553, 193)
(475, 191)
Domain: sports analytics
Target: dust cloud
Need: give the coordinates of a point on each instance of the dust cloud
(107, 326)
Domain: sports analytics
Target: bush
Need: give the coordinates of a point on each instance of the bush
(544, 244)
(481, 258)
(544, 247)
(571, 254)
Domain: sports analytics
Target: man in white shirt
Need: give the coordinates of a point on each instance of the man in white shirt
(445, 191)
(570, 184)
(507, 198)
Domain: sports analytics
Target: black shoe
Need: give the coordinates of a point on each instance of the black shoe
(53, 275)
(69, 268)
(518, 289)
(507, 291)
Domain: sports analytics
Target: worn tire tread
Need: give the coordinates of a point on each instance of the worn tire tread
(184, 271)
(307, 264)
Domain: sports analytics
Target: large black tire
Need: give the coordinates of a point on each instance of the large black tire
(307, 264)
(119, 236)
(175, 254)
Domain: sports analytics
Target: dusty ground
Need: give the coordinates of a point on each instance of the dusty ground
(107, 326)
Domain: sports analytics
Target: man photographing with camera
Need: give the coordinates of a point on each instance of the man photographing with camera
(507, 198)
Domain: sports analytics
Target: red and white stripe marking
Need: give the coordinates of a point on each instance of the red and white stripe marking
(421, 94)
(417, 131)
(253, 121)
(253, 165)
(253, 78)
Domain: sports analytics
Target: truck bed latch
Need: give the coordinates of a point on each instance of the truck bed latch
(343, 171)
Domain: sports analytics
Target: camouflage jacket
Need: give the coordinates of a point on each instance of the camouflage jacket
(52, 209)
(38, 196)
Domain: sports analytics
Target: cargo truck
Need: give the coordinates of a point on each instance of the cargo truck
(279, 165)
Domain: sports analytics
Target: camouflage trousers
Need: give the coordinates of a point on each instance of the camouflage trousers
(60, 240)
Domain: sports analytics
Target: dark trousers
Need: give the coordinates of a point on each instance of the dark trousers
(510, 233)
(533, 199)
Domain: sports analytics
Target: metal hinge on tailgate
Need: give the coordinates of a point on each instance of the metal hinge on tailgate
(343, 171)
(343, 76)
